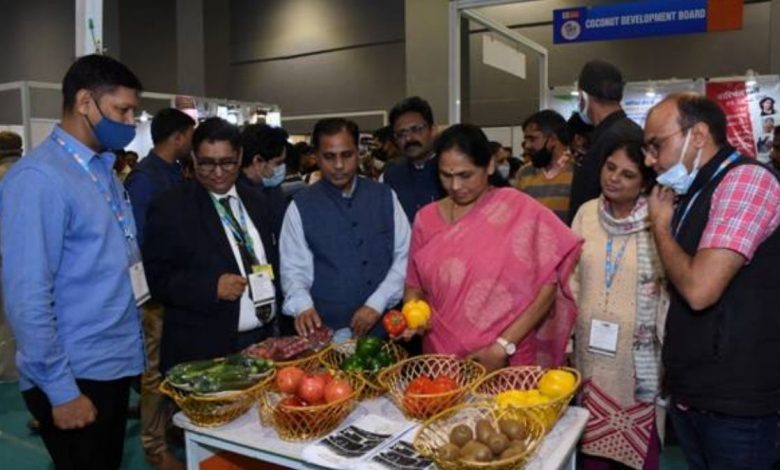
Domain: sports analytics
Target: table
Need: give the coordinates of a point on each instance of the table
(246, 436)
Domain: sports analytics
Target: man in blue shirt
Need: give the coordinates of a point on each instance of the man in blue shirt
(344, 242)
(67, 239)
(415, 176)
(172, 138)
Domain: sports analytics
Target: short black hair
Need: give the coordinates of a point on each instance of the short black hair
(332, 126)
(576, 126)
(384, 134)
(413, 104)
(98, 74)
(495, 147)
(468, 139)
(550, 123)
(216, 129)
(602, 81)
(169, 121)
(694, 108)
(264, 140)
(766, 98)
(633, 149)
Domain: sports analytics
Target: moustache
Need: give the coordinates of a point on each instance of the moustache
(412, 143)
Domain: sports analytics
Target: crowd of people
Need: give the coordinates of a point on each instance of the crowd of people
(642, 257)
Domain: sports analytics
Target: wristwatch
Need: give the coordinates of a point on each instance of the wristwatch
(509, 348)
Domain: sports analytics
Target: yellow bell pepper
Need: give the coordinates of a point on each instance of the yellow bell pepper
(417, 314)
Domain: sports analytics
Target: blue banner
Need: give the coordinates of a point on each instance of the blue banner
(629, 20)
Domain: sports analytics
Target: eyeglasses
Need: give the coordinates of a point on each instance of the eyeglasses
(207, 166)
(654, 145)
(402, 134)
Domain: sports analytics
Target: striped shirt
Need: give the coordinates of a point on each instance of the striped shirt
(552, 193)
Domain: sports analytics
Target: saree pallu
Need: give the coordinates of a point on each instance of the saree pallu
(483, 271)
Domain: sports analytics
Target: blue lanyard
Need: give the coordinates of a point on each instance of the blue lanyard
(240, 234)
(610, 266)
(124, 223)
(732, 158)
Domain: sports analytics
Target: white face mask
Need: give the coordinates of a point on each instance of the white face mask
(583, 109)
(677, 177)
(503, 170)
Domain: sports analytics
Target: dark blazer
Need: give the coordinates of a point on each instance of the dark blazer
(185, 251)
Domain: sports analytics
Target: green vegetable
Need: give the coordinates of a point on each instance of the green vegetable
(385, 358)
(374, 364)
(352, 364)
(368, 346)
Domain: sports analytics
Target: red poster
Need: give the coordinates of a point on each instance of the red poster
(733, 99)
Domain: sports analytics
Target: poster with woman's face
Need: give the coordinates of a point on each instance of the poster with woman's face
(764, 99)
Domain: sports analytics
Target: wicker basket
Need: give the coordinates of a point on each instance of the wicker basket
(435, 432)
(299, 423)
(526, 378)
(309, 363)
(338, 353)
(421, 407)
(216, 409)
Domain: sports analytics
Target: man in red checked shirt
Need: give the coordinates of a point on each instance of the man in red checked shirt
(714, 216)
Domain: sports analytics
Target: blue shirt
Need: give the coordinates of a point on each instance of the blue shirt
(67, 288)
(152, 176)
(297, 263)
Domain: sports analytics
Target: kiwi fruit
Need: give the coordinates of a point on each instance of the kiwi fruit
(511, 452)
(513, 429)
(497, 442)
(460, 435)
(484, 430)
(475, 451)
(449, 452)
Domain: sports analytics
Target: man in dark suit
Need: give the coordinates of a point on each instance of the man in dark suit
(211, 256)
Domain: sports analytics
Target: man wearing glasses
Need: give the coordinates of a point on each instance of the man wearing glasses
(714, 217)
(415, 176)
(211, 255)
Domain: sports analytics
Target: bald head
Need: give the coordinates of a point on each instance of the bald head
(690, 108)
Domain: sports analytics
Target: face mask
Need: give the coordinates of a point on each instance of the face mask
(542, 157)
(277, 178)
(677, 177)
(583, 110)
(112, 135)
(503, 170)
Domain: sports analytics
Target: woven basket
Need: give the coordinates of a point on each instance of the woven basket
(217, 409)
(526, 378)
(338, 353)
(421, 407)
(298, 423)
(309, 363)
(435, 432)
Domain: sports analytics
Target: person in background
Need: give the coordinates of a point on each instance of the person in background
(344, 242)
(775, 156)
(385, 150)
(160, 171)
(547, 176)
(308, 161)
(715, 217)
(205, 241)
(506, 164)
(600, 88)
(263, 167)
(579, 132)
(121, 167)
(131, 159)
(468, 252)
(413, 177)
(293, 180)
(10, 153)
(69, 253)
(618, 285)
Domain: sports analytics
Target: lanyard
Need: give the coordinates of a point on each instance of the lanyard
(611, 266)
(240, 234)
(108, 194)
(732, 158)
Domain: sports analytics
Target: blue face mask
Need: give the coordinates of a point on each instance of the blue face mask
(583, 109)
(112, 135)
(677, 177)
(277, 178)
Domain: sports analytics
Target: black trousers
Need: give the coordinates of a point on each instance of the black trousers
(98, 446)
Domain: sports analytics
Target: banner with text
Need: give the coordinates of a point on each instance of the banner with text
(734, 100)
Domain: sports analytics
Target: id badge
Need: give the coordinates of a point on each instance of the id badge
(138, 280)
(264, 268)
(603, 337)
(262, 288)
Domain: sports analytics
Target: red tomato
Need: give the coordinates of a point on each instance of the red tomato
(289, 379)
(312, 390)
(292, 401)
(336, 390)
(443, 384)
(326, 377)
(419, 386)
(394, 323)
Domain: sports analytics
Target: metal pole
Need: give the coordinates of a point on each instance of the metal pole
(26, 116)
(454, 72)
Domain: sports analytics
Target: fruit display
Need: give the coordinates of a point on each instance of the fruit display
(235, 372)
(370, 356)
(545, 392)
(291, 348)
(479, 436)
(365, 357)
(417, 314)
(311, 389)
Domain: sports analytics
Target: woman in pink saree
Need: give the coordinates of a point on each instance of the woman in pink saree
(492, 263)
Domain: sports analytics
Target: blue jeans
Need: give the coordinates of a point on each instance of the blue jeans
(712, 440)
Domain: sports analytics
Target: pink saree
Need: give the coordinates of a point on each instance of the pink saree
(484, 270)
